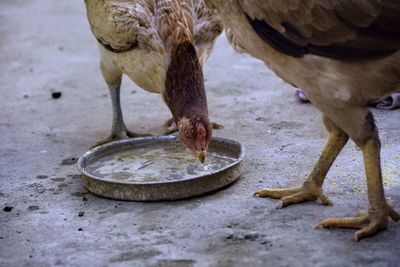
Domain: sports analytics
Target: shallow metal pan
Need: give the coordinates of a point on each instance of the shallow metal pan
(160, 190)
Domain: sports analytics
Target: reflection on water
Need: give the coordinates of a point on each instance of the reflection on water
(156, 164)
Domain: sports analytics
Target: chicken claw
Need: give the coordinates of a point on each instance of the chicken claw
(294, 195)
(120, 135)
(368, 223)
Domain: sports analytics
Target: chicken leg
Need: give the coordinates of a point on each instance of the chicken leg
(366, 137)
(377, 217)
(113, 77)
(312, 187)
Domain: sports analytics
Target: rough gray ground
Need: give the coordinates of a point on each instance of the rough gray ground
(46, 46)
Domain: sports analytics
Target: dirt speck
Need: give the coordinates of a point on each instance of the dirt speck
(62, 185)
(80, 229)
(176, 263)
(260, 119)
(69, 161)
(79, 194)
(8, 208)
(81, 213)
(243, 237)
(56, 95)
(41, 177)
(33, 207)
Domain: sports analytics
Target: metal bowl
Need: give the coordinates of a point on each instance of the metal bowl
(165, 189)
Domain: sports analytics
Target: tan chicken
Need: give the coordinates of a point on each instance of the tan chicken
(341, 53)
(162, 46)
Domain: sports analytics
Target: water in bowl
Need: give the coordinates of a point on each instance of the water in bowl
(156, 164)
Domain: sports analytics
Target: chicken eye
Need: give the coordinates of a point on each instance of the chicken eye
(187, 134)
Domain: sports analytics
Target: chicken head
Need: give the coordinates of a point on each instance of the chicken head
(196, 135)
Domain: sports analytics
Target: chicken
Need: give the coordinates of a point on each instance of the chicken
(162, 46)
(341, 53)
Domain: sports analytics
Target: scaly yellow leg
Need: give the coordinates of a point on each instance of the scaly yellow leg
(312, 187)
(379, 211)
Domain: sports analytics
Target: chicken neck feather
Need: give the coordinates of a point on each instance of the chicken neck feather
(184, 85)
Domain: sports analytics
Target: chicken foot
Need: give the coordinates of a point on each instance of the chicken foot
(377, 217)
(118, 130)
(312, 187)
(170, 126)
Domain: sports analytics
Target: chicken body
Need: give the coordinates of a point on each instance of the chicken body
(342, 54)
(162, 46)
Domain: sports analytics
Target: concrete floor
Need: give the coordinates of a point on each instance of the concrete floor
(46, 47)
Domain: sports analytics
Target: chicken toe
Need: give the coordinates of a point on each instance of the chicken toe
(368, 223)
(119, 135)
(295, 195)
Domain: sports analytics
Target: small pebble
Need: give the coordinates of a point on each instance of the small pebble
(80, 229)
(56, 95)
(8, 209)
(81, 213)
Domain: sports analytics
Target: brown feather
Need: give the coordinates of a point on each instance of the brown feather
(325, 23)
(184, 84)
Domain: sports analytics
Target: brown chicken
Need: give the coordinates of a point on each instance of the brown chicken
(161, 45)
(341, 53)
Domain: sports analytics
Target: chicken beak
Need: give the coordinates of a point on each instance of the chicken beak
(201, 155)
